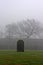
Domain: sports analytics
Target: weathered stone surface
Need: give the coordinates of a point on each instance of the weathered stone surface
(20, 46)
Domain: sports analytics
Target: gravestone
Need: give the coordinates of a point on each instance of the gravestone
(20, 46)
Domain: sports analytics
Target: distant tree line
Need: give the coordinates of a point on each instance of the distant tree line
(29, 44)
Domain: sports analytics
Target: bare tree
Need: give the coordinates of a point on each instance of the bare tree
(11, 30)
(28, 28)
(33, 28)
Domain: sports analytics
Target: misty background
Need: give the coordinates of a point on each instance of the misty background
(21, 19)
(17, 10)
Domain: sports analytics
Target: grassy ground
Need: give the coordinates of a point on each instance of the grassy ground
(12, 57)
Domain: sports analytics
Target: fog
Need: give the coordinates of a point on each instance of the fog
(16, 10)
(21, 19)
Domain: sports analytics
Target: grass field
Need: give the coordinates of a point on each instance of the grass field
(12, 57)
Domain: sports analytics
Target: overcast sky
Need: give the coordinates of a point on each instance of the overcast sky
(16, 10)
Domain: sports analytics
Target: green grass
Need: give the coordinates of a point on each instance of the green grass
(12, 57)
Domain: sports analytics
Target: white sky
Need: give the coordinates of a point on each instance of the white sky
(13, 10)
